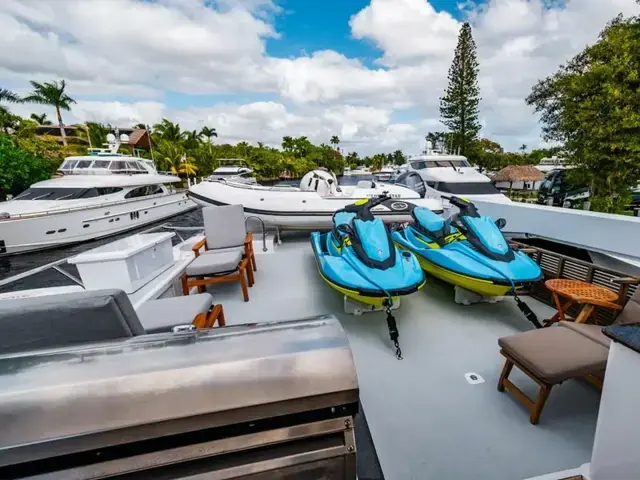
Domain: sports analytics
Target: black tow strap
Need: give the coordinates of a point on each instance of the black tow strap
(526, 311)
(393, 329)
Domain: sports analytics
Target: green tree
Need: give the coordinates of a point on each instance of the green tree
(208, 133)
(459, 106)
(53, 94)
(191, 139)
(40, 119)
(335, 141)
(592, 106)
(399, 158)
(488, 155)
(523, 148)
(167, 130)
(18, 168)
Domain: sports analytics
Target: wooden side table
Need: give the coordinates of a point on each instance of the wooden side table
(575, 291)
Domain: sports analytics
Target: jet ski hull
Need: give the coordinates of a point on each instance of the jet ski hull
(363, 284)
(456, 264)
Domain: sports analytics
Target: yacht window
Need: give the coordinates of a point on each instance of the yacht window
(101, 164)
(420, 165)
(69, 164)
(89, 193)
(108, 190)
(83, 164)
(144, 191)
(469, 188)
(44, 193)
(118, 165)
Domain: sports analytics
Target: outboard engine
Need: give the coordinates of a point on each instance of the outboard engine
(273, 400)
(413, 181)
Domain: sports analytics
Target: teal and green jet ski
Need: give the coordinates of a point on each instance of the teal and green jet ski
(468, 250)
(358, 257)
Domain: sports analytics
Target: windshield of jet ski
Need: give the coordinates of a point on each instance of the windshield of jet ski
(481, 231)
(369, 236)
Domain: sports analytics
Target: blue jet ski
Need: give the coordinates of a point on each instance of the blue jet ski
(358, 259)
(468, 250)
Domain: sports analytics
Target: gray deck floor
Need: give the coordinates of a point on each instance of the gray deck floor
(426, 421)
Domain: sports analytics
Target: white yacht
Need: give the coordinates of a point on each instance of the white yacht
(348, 172)
(96, 195)
(385, 173)
(548, 164)
(234, 170)
(445, 174)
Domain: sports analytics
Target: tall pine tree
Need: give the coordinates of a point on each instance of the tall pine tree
(459, 106)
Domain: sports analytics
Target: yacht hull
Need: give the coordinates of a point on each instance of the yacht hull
(46, 230)
(291, 208)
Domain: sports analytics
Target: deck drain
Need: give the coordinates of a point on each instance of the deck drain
(473, 378)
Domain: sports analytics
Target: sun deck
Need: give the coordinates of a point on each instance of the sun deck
(425, 419)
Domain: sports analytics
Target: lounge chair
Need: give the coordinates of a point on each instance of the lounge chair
(551, 355)
(228, 251)
(96, 316)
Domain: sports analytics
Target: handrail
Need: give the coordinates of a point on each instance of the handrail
(264, 232)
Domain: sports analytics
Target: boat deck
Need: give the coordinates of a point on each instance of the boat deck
(426, 420)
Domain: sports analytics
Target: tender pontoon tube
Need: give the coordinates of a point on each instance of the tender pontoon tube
(271, 400)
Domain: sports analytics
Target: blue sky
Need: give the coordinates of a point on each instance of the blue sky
(306, 26)
(130, 61)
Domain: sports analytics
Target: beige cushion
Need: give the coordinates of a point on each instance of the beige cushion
(555, 354)
(165, 313)
(631, 312)
(228, 249)
(592, 332)
(214, 263)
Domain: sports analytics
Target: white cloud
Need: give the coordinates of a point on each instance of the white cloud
(135, 51)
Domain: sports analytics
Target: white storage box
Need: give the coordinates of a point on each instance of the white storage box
(127, 264)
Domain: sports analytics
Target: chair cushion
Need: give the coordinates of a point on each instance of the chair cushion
(592, 332)
(67, 319)
(213, 263)
(229, 249)
(224, 226)
(163, 314)
(555, 354)
(631, 312)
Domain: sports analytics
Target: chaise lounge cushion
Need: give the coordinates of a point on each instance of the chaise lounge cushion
(592, 332)
(214, 263)
(555, 354)
(162, 315)
(67, 319)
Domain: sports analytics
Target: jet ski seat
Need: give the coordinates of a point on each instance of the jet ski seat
(430, 224)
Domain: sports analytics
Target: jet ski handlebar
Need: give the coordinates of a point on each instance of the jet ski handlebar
(372, 202)
(457, 201)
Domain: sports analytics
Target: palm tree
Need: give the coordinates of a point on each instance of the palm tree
(9, 97)
(40, 119)
(168, 130)
(287, 143)
(140, 126)
(52, 93)
(208, 133)
(192, 139)
(335, 141)
(523, 148)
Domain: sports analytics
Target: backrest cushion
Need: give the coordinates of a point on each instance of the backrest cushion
(67, 319)
(224, 226)
(631, 312)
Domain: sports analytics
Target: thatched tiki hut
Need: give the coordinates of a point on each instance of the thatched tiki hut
(525, 177)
